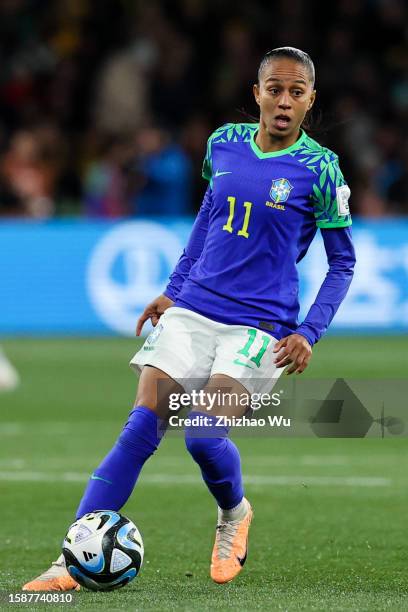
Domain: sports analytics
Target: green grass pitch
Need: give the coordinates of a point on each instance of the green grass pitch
(337, 543)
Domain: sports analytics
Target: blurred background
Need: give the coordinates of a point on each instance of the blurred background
(105, 109)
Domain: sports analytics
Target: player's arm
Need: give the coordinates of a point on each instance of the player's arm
(331, 210)
(341, 259)
(297, 348)
(191, 253)
(193, 249)
(198, 235)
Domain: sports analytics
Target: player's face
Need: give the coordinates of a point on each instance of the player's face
(284, 95)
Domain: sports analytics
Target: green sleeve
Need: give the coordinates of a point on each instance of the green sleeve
(330, 196)
(207, 165)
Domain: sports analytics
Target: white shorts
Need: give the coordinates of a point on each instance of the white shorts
(188, 347)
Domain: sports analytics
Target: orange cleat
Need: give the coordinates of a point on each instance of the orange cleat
(230, 548)
(56, 578)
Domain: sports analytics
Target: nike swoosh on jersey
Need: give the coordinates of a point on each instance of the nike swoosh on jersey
(218, 173)
(93, 477)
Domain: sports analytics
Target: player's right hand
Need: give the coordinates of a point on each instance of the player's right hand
(153, 311)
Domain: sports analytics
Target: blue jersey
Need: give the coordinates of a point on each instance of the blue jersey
(259, 216)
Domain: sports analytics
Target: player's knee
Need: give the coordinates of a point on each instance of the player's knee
(204, 449)
(200, 448)
(205, 440)
(141, 433)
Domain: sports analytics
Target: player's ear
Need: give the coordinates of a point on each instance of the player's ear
(312, 99)
(255, 89)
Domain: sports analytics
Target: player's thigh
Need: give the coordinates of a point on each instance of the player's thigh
(154, 390)
(246, 355)
(182, 345)
(224, 396)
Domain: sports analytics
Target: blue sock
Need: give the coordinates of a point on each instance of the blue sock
(113, 481)
(219, 460)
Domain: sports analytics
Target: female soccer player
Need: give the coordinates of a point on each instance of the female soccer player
(229, 312)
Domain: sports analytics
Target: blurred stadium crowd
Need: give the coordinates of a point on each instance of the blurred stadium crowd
(105, 107)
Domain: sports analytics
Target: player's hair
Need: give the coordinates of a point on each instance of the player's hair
(292, 53)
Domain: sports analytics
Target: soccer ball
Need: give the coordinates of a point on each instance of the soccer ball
(103, 550)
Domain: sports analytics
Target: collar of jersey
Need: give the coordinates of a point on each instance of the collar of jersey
(262, 155)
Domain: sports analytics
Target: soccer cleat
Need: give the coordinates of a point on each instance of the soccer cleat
(230, 548)
(56, 578)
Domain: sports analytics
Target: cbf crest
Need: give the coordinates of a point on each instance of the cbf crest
(280, 190)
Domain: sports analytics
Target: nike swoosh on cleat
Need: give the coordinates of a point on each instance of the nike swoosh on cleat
(244, 558)
(242, 561)
(218, 173)
(93, 477)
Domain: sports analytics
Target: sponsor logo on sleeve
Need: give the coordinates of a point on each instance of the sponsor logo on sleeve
(342, 197)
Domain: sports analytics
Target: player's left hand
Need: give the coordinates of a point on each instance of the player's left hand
(293, 350)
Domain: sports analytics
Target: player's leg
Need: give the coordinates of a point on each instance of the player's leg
(220, 464)
(178, 345)
(244, 364)
(113, 481)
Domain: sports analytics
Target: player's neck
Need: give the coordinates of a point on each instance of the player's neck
(268, 143)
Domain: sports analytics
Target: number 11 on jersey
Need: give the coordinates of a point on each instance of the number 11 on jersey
(228, 226)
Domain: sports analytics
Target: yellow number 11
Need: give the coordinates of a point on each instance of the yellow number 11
(244, 229)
